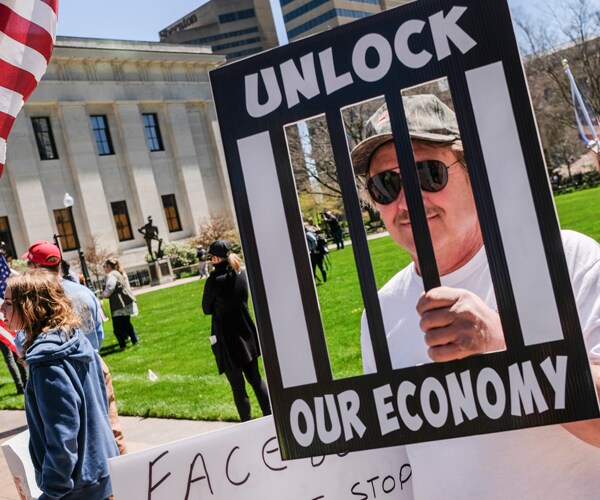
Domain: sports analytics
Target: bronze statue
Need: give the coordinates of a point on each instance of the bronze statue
(150, 232)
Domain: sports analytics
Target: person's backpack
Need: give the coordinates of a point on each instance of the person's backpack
(312, 241)
(322, 245)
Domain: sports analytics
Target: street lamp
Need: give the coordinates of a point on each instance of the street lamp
(68, 202)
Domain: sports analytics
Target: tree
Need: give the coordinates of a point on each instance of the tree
(217, 227)
(95, 257)
(311, 154)
(572, 34)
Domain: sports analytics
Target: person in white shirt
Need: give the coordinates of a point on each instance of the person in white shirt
(460, 319)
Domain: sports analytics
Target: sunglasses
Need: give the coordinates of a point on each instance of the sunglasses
(386, 186)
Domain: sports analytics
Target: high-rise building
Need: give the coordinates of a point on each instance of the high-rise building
(236, 28)
(306, 17)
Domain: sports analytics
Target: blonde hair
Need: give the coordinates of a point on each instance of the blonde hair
(235, 262)
(115, 265)
(40, 300)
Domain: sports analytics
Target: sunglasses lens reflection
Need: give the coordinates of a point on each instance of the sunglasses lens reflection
(386, 186)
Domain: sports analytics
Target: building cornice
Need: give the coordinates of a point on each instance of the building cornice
(103, 49)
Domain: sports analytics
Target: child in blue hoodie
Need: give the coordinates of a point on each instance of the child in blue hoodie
(65, 398)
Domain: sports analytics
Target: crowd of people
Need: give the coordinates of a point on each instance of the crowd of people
(70, 403)
(69, 398)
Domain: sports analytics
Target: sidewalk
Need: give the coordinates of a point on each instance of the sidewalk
(140, 433)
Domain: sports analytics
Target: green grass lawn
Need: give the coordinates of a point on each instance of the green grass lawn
(174, 333)
(580, 211)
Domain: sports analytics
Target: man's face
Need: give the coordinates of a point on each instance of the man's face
(451, 212)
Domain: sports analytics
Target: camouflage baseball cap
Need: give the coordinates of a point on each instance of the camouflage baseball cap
(428, 119)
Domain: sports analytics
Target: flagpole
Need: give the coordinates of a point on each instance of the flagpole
(576, 94)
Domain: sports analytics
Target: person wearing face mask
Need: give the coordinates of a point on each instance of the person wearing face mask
(234, 339)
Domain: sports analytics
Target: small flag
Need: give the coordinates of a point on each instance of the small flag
(4, 274)
(27, 36)
(153, 377)
(585, 116)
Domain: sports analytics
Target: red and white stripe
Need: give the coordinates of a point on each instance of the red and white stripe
(7, 337)
(27, 36)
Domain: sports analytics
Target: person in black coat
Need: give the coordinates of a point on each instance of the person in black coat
(234, 339)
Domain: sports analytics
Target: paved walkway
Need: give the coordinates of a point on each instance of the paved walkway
(140, 433)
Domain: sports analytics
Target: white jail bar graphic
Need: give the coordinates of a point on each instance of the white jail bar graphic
(276, 261)
(521, 237)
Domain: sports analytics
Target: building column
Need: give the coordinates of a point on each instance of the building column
(187, 169)
(35, 219)
(214, 157)
(91, 212)
(146, 200)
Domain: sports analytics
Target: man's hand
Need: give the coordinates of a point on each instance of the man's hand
(588, 430)
(457, 324)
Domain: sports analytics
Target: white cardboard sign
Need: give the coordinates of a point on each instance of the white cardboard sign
(16, 454)
(244, 462)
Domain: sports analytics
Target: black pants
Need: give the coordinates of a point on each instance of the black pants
(338, 238)
(16, 369)
(238, 386)
(316, 260)
(123, 328)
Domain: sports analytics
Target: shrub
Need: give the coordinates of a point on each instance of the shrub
(180, 253)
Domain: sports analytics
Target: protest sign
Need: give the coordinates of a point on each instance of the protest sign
(543, 377)
(244, 462)
(16, 454)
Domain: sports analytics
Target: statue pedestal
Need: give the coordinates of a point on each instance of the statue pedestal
(160, 272)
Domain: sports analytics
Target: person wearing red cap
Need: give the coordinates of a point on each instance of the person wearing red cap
(47, 255)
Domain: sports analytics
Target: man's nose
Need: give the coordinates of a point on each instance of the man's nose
(400, 200)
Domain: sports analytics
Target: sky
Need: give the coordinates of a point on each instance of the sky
(128, 19)
(143, 19)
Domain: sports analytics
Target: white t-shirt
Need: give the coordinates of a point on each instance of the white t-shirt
(543, 462)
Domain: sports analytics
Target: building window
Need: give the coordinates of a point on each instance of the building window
(66, 228)
(152, 132)
(246, 52)
(102, 135)
(6, 240)
(44, 138)
(221, 36)
(355, 14)
(122, 222)
(171, 212)
(236, 16)
(239, 43)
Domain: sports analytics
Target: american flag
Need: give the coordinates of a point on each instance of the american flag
(27, 35)
(6, 336)
(4, 274)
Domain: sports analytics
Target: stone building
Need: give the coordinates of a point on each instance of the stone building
(129, 130)
(236, 28)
